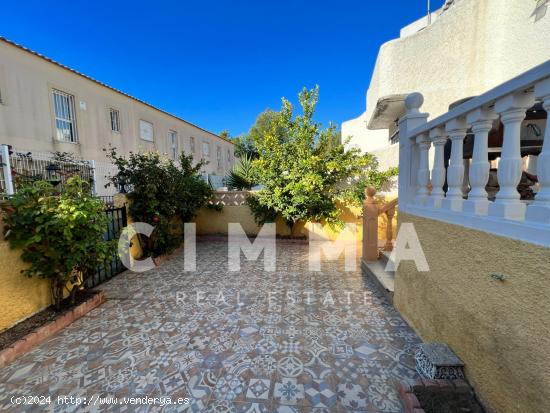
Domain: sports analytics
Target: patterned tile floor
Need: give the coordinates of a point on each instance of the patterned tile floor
(250, 341)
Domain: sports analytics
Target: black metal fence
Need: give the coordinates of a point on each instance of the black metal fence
(28, 167)
(117, 222)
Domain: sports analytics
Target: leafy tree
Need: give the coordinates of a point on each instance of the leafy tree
(380, 180)
(267, 121)
(61, 235)
(225, 134)
(162, 193)
(303, 168)
(244, 147)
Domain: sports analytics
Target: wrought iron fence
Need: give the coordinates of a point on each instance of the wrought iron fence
(27, 166)
(117, 221)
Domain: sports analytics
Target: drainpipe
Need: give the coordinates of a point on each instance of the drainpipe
(429, 14)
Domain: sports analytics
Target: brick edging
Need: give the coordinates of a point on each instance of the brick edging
(410, 401)
(31, 340)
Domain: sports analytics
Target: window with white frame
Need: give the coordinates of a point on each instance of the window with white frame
(114, 116)
(146, 130)
(65, 119)
(205, 149)
(173, 144)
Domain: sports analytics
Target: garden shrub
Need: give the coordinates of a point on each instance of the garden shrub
(162, 193)
(61, 235)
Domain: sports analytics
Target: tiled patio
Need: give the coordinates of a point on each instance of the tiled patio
(152, 338)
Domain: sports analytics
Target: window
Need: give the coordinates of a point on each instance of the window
(192, 144)
(114, 116)
(146, 130)
(219, 156)
(205, 149)
(65, 121)
(229, 157)
(173, 144)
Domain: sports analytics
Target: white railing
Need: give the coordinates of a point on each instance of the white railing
(465, 201)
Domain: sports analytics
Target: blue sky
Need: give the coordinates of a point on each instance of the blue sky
(218, 63)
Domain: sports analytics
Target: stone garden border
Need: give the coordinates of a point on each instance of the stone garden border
(25, 344)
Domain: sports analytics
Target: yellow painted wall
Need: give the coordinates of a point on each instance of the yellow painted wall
(210, 222)
(500, 329)
(20, 296)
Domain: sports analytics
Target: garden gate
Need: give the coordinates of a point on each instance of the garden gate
(117, 222)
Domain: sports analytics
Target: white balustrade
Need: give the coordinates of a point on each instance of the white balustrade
(466, 200)
(456, 128)
(439, 139)
(540, 210)
(423, 169)
(481, 120)
(512, 110)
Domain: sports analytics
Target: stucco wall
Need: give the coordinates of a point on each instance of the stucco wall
(471, 48)
(27, 116)
(20, 296)
(210, 222)
(500, 329)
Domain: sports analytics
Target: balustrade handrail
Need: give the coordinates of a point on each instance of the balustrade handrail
(465, 190)
(523, 81)
(388, 206)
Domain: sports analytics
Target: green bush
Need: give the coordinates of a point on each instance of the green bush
(162, 193)
(61, 235)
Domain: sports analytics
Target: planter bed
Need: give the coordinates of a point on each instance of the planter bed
(19, 339)
(439, 396)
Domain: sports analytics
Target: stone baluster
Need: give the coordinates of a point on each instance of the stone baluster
(439, 139)
(456, 129)
(512, 110)
(390, 213)
(481, 120)
(370, 225)
(423, 174)
(539, 211)
(466, 179)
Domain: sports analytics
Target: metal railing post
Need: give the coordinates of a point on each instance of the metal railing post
(6, 166)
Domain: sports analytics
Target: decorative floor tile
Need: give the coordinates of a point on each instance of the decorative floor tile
(290, 366)
(258, 389)
(248, 356)
(320, 394)
(352, 396)
(288, 391)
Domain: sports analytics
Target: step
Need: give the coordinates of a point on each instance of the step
(385, 256)
(376, 271)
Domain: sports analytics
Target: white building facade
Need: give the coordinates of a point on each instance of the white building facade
(47, 107)
(470, 47)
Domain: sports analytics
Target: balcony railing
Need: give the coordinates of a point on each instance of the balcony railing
(452, 188)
